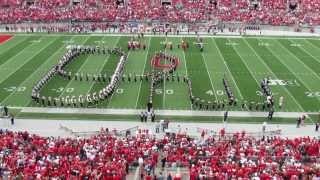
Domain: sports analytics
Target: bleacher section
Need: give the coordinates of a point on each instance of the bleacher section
(273, 12)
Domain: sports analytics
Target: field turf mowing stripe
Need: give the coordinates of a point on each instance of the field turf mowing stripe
(15, 40)
(108, 68)
(309, 48)
(227, 72)
(154, 46)
(57, 84)
(177, 96)
(92, 65)
(198, 74)
(217, 69)
(295, 65)
(158, 98)
(283, 73)
(314, 42)
(102, 67)
(291, 104)
(308, 60)
(21, 58)
(145, 61)
(209, 75)
(22, 98)
(246, 83)
(19, 76)
(127, 94)
(111, 66)
(76, 87)
(4, 57)
(186, 73)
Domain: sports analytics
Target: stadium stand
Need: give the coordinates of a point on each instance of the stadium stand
(107, 156)
(273, 12)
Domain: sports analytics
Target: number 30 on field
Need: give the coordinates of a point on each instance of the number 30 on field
(313, 94)
(15, 89)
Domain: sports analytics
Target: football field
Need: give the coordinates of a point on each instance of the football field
(292, 64)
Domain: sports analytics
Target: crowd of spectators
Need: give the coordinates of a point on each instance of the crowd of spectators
(107, 156)
(274, 12)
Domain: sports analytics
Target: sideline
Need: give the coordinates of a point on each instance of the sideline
(264, 35)
(159, 112)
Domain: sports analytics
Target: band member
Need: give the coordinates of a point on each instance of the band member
(49, 101)
(43, 100)
(281, 99)
(80, 100)
(55, 101)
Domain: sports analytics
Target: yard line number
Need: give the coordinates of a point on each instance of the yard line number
(263, 44)
(295, 45)
(232, 44)
(312, 94)
(61, 89)
(15, 89)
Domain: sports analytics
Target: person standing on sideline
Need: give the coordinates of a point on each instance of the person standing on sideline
(270, 115)
(298, 122)
(162, 125)
(317, 126)
(5, 109)
(141, 116)
(145, 116)
(157, 127)
(303, 118)
(225, 116)
(281, 99)
(264, 127)
(12, 119)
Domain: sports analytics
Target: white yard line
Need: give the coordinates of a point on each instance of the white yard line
(35, 72)
(12, 58)
(15, 42)
(145, 62)
(29, 59)
(307, 67)
(245, 63)
(262, 61)
(164, 81)
(164, 92)
(291, 71)
(185, 65)
(311, 44)
(109, 100)
(302, 81)
(306, 51)
(106, 59)
(211, 82)
(84, 41)
(24, 62)
(226, 65)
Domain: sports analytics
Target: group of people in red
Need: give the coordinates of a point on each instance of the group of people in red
(137, 43)
(171, 62)
(274, 12)
(107, 156)
(241, 156)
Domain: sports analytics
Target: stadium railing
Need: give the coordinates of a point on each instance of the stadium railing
(208, 28)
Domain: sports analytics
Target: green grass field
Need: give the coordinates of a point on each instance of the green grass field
(243, 61)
